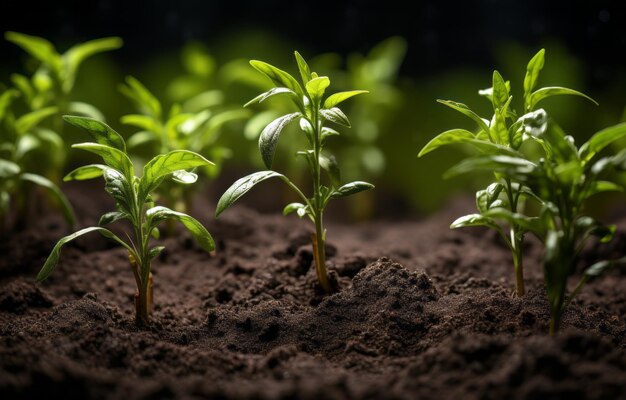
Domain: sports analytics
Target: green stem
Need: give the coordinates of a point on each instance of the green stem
(516, 244)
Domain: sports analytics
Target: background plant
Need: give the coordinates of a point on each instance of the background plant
(313, 114)
(133, 202)
(502, 202)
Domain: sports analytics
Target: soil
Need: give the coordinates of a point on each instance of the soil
(422, 312)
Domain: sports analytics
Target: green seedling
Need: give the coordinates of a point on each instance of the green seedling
(501, 204)
(194, 125)
(133, 203)
(23, 140)
(313, 113)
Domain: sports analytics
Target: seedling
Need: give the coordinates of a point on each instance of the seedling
(312, 114)
(133, 203)
(195, 125)
(22, 142)
(501, 204)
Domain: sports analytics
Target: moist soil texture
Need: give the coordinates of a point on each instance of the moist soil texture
(421, 312)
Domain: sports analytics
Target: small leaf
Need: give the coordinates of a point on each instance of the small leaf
(197, 230)
(500, 93)
(241, 187)
(337, 98)
(494, 163)
(329, 164)
(165, 164)
(99, 131)
(448, 137)
(529, 224)
(546, 92)
(336, 115)
(305, 71)
(64, 203)
(474, 220)
(327, 132)
(53, 258)
(111, 217)
(351, 188)
(155, 251)
(86, 172)
(184, 177)
(141, 121)
(274, 91)
(465, 110)
(269, 137)
(316, 88)
(112, 157)
(599, 268)
(144, 99)
(293, 207)
(8, 169)
(534, 67)
(278, 76)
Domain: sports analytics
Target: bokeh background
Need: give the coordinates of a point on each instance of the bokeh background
(407, 56)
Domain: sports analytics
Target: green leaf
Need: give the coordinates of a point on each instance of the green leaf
(8, 169)
(99, 131)
(500, 92)
(269, 137)
(37, 47)
(184, 177)
(305, 71)
(337, 98)
(546, 92)
(475, 220)
(144, 99)
(5, 101)
(64, 203)
(53, 258)
(140, 138)
(273, 91)
(601, 187)
(116, 185)
(86, 172)
(166, 164)
(158, 214)
(145, 122)
(350, 189)
(494, 163)
(529, 224)
(485, 198)
(326, 133)
(80, 52)
(30, 120)
(111, 217)
(241, 187)
(335, 115)
(316, 88)
(445, 138)
(329, 164)
(600, 140)
(155, 251)
(298, 208)
(534, 67)
(86, 109)
(465, 110)
(278, 76)
(112, 157)
(599, 268)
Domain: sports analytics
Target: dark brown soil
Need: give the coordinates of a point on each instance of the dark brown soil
(423, 312)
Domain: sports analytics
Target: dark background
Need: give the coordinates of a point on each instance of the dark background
(440, 34)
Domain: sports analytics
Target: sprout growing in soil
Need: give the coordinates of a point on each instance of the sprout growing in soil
(133, 203)
(502, 202)
(313, 113)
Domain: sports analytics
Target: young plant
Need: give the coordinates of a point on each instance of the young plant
(133, 202)
(195, 125)
(501, 204)
(313, 113)
(23, 140)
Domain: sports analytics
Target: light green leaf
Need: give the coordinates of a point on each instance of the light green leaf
(336, 115)
(500, 92)
(601, 187)
(316, 88)
(351, 188)
(278, 76)
(86, 172)
(465, 110)
(269, 137)
(37, 47)
(112, 157)
(80, 52)
(158, 214)
(534, 67)
(99, 131)
(30, 120)
(8, 169)
(546, 92)
(145, 122)
(475, 220)
(337, 98)
(294, 207)
(529, 224)
(144, 99)
(165, 164)
(140, 138)
(305, 71)
(184, 177)
(86, 109)
(600, 140)
(494, 163)
(273, 91)
(53, 258)
(241, 187)
(448, 137)
(64, 203)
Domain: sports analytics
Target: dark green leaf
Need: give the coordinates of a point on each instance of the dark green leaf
(545, 92)
(269, 137)
(351, 188)
(278, 76)
(465, 110)
(448, 137)
(111, 217)
(30, 120)
(241, 187)
(144, 99)
(329, 164)
(99, 131)
(112, 157)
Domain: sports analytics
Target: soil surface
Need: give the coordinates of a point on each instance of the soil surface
(422, 312)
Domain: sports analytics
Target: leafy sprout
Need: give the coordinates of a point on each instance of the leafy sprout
(133, 202)
(501, 203)
(313, 113)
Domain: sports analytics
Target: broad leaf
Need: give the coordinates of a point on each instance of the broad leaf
(337, 98)
(241, 187)
(53, 258)
(99, 131)
(448, 137)
(269, 137)
(601, 187)
(498, 163)
(316, 88)
(145, 122)
(351, 188)
(336, 115)
(546, 92)
(197, 230)
(278, 76)
(500, 92)
(166, 164)
(112, 157)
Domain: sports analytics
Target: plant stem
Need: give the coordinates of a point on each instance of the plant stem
(516, 244)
